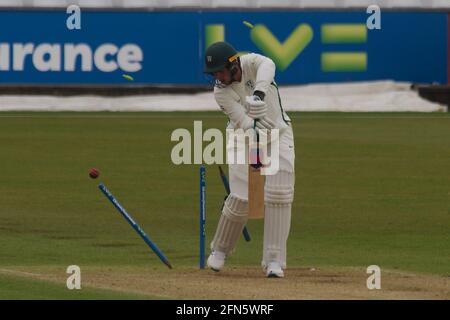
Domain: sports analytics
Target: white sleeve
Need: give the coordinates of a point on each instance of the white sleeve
(227, 100)
(265, 71)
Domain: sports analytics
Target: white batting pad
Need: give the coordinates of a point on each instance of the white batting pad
(279, 194)
(234, 217)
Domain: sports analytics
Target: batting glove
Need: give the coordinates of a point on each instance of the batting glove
(257, 107)
(265, 123)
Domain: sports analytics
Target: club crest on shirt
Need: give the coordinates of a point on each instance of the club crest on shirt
(250, 84)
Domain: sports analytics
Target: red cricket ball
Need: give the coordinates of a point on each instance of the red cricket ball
(94, 173)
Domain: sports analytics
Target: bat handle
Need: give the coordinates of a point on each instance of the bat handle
(256, 161)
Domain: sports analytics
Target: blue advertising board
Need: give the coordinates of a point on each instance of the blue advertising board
(165, 48)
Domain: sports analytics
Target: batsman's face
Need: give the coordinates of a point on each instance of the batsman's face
(223, 76)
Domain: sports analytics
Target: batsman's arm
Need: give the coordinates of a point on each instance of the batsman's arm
(265, 71)
(228, 101)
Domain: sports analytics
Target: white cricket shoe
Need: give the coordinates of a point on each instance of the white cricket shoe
(216, 260)
(274, 270)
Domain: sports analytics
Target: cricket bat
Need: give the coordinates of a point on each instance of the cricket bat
(255, 183)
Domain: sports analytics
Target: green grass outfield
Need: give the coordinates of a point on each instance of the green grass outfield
(371, 188)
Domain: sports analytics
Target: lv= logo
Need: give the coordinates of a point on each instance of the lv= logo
(283, 53)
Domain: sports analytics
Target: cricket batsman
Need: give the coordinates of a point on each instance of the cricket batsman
(246, 92)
